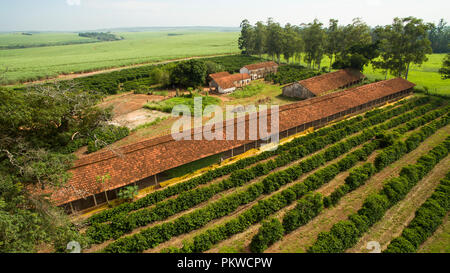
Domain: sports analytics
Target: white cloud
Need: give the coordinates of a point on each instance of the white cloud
(73, 2)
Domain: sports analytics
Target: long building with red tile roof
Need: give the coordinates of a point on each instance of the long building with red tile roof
(143, 163)
(322, 84)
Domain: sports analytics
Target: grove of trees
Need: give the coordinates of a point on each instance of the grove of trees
(392, 48)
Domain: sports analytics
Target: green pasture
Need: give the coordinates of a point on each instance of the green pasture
(138, 47)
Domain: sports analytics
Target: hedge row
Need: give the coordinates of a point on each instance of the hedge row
(394, 152)
(243, 163)
(270, 232)
(359, 176)
(267, 207)
(346, 234)
(153, 236)
(308, 209)
(356, 178)
(428, 218)
(206, 240)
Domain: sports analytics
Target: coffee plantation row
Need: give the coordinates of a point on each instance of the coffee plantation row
(426, 221)
(149, 238)
(309, 208)
(124, 222)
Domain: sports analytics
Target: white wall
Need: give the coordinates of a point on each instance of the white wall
(244, 70)
(225, 91)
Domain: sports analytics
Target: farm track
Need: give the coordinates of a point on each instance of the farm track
(299, 240)
(398, 217)
(242, 240)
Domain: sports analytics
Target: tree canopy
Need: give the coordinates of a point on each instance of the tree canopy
(39, 129)
(391, 48)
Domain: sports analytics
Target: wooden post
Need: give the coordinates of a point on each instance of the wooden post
(71, 208)
(95, 200)
(106, 195)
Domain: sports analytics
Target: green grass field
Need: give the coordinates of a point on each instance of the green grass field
(138, 47)
(41, 39)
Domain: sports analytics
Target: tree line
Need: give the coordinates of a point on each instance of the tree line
(391, 48)
(101, 36)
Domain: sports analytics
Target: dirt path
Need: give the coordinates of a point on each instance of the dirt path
(63, 77)
(399, 216)
(299, 240)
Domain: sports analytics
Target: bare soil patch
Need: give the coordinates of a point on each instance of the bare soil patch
(139, 117)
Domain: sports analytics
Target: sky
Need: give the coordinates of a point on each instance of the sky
(73, 15)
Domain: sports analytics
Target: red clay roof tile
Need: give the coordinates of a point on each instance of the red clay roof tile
(228, 81)
(260, 65)
(331, 81)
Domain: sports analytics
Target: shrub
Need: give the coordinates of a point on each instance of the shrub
(128, 193)
(307, 208)
(105, 136)
(270, 232)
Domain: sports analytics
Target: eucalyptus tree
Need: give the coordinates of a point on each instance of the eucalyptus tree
(246, 40)
(260, 39)
(335, 40)
(314, 37)
(439, 36)
(274, 39)
(291, 41)
(356, 33)
(403, 43)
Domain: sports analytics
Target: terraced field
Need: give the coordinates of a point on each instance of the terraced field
(333, 190)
